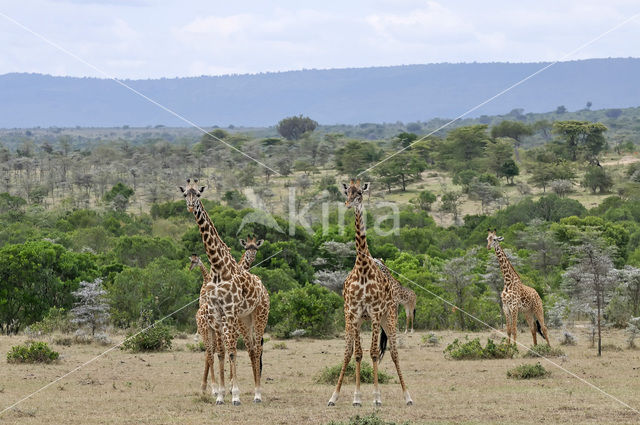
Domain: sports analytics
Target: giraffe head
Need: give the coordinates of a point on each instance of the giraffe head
(493, 239)
(195, 261)
(354, 193)
(251, 245)
(191, 193)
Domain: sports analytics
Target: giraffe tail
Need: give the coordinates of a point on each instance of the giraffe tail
(383, 343)
(539, 328)
(261, 344)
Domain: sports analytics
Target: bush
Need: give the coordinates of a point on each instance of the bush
(36, 352)
(197, 347)
(280, 346)
(568, 338)
(56, 319)
(330, 374)
(544, 350)
(473, 350)
(370, 419)
(156, 338)
(431, 339)
(528, 371)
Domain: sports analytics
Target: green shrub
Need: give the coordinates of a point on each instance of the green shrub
(370, 419)
(197, 347)
(543, 350)
(36, 352)
(330, 374)
(528, 371)
(431, 339)
(280, 346)
(56, 319)
(156, 338)
(473, 350)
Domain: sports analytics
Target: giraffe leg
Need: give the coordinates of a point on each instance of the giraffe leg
(375, 357)
(507, 321)
(357, 399)
(211, 347)
(407, 317)
(413, 315)
(231, 340)
(218, 333)
(348, 352)
(389, 328)
(247, 330)
(261, 316)
(532, 327)
(514, 325)
(543, 327)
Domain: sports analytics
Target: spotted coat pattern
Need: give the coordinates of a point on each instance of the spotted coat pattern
(404, 296)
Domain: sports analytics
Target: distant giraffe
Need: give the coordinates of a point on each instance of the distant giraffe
(368, 295)
(516, 296)
(234, 295)
(404, 296)
(212, 340)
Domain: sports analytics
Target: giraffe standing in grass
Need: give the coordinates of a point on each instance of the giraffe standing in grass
(517, 297)
(368, 295)
(233, 295)
(213, 341)
(404, 296)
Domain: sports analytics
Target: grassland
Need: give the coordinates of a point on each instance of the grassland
(154, 388)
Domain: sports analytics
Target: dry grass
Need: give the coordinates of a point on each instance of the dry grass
(164, 387)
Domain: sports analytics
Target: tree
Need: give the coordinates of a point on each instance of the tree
(498, 152)
(485, 193)
(509, 170)
(514, 130)
(119, 196)
(425, 199)
(592, 277)
(405, 139)
(544, 173)
(561, 187)
(457, 277)
(356, 156)
(561, 110)
(596, 178)
(292, 128)
(91, 309)
(546, 252)
(631, 280)
(464, 146)
(582, 136)
(401, 169)
(451, 203)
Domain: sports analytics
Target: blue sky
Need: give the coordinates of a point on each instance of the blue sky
(153, 39)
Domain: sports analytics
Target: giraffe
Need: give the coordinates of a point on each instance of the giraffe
(211, 339)
(368, 295)
(404, 296)
(233, 295)
(516, 296)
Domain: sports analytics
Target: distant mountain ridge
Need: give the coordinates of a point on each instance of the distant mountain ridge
(350, 96)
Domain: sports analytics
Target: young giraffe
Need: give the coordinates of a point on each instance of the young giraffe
(234, 295)
(212, 340)
(404, 296)
(516, 296)
(368, 295)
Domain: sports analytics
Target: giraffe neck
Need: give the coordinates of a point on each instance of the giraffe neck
(222, 262)
(511, 278)
(362, 249)
(205, 273)
(248, 257)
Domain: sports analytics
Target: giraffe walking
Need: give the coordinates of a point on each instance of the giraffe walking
(404, 296)
(233, 295)
(368, 295)
(517, 297)
(212, 340)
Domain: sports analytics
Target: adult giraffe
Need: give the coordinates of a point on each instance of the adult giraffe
(368, 295)
(516, 296)
(233, 295)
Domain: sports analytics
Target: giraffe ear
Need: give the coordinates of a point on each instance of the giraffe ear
(500, 238)
(181, 189)
(365, 187)
(259, 243)
(345, 189)
(243, 243)
(202, 189)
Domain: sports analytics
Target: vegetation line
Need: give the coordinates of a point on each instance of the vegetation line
(544, 68)
(128, 87)
(520, 344)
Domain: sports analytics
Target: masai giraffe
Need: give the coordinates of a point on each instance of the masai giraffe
(516, 296)
(368, 295)
(212, 340)
(234, 295)
(404, 296)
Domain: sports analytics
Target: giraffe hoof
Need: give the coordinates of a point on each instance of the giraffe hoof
(331, 403)
(377, 403)
(409, 403)
(357, 404)
(219, 403)
(257, 401)
(236, 402)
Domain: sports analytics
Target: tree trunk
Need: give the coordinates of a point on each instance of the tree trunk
(599, 333)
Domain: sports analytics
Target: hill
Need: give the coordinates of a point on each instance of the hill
(349, 96)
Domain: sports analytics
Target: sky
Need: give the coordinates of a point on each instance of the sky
(140, 39)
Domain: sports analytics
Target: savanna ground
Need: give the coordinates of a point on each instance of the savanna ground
(153, 388)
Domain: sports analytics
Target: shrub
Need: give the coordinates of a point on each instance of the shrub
(330, 374)
(197, 347)
(568, 338)
(56, 319)
(431, 339)
(370, 419)
(36, 352)
(528, 371)
(280, 346)
(156, 338)
(544, 350)
(473, 350)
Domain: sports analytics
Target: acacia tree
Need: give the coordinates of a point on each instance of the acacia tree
(91, 310)
(592, 277)
(292, 128)
(514, 130)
